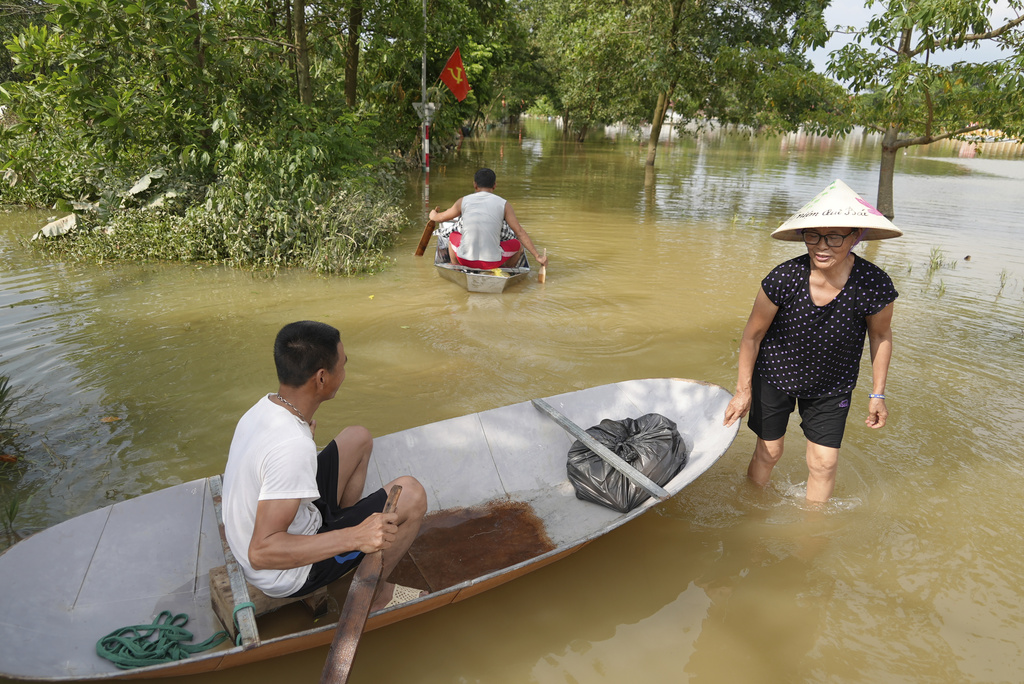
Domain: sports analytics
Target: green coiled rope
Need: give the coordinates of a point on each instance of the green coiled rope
(163, 641)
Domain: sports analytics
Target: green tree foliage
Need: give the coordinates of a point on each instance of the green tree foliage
(910, 90)
(594, 52)
(736, 61)
(119, 69)
(490, 38)
(15, 16)
(249, 124)
(730, 60)
(519, 74)
(113, 90)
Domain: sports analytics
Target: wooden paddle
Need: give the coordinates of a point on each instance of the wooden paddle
(542, 276)
(428, 230)
(357, 608)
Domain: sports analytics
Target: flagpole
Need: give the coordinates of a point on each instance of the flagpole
(426, 114)
(423, 74)
(423, 97)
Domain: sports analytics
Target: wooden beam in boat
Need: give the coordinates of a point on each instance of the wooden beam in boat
(631, 473)
(245, 615)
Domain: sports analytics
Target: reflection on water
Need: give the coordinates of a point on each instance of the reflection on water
(130, 378)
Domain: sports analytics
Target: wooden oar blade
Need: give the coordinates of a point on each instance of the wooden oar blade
(352, 620)
(428, 230)
(356, 610)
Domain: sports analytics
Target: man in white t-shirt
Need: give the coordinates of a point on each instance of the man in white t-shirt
(478, 244)
(293, 517)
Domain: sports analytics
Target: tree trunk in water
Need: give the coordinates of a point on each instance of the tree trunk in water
(198, 42)
(302, 53)
(355, 27)
(887, 170)
(656, 122)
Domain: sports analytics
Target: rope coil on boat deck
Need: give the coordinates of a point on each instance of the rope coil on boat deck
(136, 646)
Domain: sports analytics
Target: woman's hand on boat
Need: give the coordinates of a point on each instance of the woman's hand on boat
(737, 408)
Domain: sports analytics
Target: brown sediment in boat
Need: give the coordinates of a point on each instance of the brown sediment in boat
(460, 544)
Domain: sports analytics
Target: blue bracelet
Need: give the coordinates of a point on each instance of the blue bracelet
(876, 396)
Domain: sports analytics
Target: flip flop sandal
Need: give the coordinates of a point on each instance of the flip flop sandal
(402, 595)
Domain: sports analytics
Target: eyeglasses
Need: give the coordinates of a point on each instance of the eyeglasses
(832, 239)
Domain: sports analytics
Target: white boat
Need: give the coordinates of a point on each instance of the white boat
(500, 506)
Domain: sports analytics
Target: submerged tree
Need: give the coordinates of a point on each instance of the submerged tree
(729, 60)
(733, 61)
(911, 92)
(595, 52)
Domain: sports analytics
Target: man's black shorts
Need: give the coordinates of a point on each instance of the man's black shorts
(335, 518)
(823, 419)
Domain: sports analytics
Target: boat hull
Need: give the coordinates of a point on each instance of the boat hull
(123, 564)
(477, 280)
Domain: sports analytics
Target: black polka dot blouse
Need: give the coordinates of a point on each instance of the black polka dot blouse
(814, 351)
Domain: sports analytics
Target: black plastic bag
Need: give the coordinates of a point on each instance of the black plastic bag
(650, 443)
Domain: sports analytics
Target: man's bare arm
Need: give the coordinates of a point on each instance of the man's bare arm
(448, 214)
(524, 237)
(272, 547)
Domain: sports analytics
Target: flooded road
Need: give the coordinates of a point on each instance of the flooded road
(131, 378)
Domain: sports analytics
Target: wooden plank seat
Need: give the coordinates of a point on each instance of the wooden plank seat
(224, 603)
(230, 592)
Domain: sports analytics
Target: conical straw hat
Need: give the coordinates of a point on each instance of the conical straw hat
(837, 206)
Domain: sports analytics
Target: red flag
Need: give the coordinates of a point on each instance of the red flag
(454, 76)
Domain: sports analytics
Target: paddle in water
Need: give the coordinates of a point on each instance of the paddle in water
(357, 608)
(428, 230)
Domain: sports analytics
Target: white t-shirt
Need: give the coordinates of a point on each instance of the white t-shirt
(272, 456)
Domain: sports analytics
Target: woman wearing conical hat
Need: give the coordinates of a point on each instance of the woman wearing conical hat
(804, 339)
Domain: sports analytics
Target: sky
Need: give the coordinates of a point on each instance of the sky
(854, 13)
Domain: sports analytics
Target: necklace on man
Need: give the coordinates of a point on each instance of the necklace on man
(293, 408)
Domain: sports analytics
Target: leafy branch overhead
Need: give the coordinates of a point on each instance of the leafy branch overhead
(914, 89)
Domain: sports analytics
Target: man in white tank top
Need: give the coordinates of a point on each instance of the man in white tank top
(479, 243)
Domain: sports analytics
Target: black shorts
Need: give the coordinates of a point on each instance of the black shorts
(823, 419)
(336, 518)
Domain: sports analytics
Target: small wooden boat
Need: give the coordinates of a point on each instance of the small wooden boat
(500, 506)
(492, 281)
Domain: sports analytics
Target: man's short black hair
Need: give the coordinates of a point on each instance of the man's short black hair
(485, 178)
(302, 348)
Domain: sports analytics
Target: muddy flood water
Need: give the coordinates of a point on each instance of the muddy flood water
(130, 378)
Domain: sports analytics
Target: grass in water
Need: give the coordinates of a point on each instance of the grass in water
(8, 465)
(10, 513)
(937, 260)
